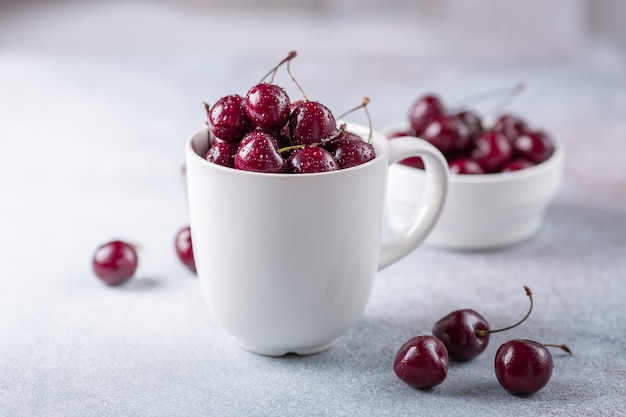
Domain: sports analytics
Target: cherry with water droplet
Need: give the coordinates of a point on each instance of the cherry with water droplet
(258, 151)
(228, 119)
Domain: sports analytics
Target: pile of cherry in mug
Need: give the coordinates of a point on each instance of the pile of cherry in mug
(470, 147)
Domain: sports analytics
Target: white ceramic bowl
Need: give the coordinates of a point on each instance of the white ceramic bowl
(481, 211)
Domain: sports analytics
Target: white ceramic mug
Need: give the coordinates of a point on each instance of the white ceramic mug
(286, 262)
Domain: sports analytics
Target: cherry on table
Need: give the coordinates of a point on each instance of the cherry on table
(524, 367)
(184, 248)
(422, 362)
(465, 333)
(115, 262)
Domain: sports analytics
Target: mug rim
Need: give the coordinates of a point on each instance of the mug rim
(379, 141)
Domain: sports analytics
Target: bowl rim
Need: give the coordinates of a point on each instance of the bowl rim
(536, 170)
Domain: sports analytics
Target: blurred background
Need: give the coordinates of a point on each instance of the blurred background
(98, 97)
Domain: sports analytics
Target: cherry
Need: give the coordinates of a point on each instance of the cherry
(115, 262)
(350, 150)
(444, 133)
(524, 367)
(268, 106)
(311, 122)
(311, 158)
(258, 152)
(466, 333)
(516, 165)
(422, 362)
(184, 248)
(228, 120)
(472, 122)
(510, 126)
(534, 146)
(426, 109)
(465, 165)
(221, 153)
(492, 150)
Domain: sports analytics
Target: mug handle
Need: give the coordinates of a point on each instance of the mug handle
(429, 208)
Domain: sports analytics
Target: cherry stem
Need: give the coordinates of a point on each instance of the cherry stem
(510, 92)
(291, 55)
(562, 347)
(482, 333)
(306, 98)
(363, 106)
(340, 129)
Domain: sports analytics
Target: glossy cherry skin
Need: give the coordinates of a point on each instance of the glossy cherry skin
(184, 248)
(422, 362)
(311, 122)
(516, 165)
(310, 159)
(228, 120)
(458, 332)
(258, 152)
(424, 111)
(510, 126)
(534, 146)
(465, 166)
(492, 150)
(444, 133)
(221, 153)
(115, 262)
(268, 106)
(471, 121)
(350, 150)
(523, 367)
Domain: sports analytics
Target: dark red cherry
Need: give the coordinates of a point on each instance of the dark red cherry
(471, 121)
(426, 109)
(422, 362)
(184, 248)
(268, 106)
(534, 146)
(115, 262)
(492, 150)
(221, 153)
(446, 134)
(516, 165)
(465, 165)
(228, 120)
(310, 159)
(258, 152)
(311, 122)
(350, 150)
(466, 333)
(510, 126)
(524, 367)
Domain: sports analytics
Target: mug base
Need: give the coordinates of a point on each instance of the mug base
(277, 352)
